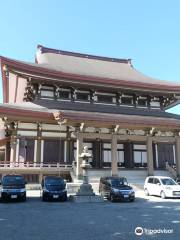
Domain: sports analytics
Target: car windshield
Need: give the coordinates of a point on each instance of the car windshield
(168, 181)
(54, 181)
(118, 182)
(18, 180)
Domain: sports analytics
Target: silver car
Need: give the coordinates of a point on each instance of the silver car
(161, 186)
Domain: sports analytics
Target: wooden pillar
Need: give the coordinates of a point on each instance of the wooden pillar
(42, 151)
(178, 156)
(114, 162)
(7, 152)
(38, 144)
(13, 150)
(17, 151)
(40, 178)
(78, 152)
(150, 164)
(38, 151)
(128, 155)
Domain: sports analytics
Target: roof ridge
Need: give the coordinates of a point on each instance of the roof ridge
(43, 49)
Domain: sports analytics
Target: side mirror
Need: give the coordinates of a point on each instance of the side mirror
(158, 184)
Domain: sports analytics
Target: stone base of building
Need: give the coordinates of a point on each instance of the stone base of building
(86, 199)
(85, 190)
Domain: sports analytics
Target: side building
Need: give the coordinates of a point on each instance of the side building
(66, 100)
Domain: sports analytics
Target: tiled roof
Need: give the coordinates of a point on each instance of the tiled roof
(165, 120)
(95, 66)
(100, 108)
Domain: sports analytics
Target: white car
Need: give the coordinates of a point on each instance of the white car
(161, 186)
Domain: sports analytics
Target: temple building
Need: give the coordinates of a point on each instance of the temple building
(65, 100)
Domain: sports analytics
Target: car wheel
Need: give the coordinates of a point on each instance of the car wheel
(111, 198)
(65, 198)
(132, 200)
(163, 196)
(24, 199)
(146, 192)
(44, 199)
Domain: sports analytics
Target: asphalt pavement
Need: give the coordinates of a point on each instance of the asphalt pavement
(37, 220)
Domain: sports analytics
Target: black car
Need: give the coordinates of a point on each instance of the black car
(116, 188)
(54, 188)
(13, 188)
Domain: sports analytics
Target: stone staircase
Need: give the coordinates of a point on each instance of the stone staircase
(135, 178)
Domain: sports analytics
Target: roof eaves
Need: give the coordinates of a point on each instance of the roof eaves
(44, 71)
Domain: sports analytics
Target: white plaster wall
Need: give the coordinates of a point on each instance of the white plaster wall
(53, 134)
(22, 83)
(27, 133)
(53, 127)
(27, 125)
(2, 133)
(12, 87)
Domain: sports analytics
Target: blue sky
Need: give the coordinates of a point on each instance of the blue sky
(146, 31)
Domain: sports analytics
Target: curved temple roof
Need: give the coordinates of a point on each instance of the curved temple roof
(89, 69)
(94, 66)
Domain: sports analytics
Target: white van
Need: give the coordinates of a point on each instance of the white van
(161, 186)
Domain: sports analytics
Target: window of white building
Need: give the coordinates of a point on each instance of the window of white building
(107, 153)
(142, 101)
(81, 95)
(126, 99)
(155, 102)
(106, 98)
(140, 155)
(64, 94)
(47, 91)
(120, 154)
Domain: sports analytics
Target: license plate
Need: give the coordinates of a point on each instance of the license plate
(55, 196)
(126, 196)
(13, 196)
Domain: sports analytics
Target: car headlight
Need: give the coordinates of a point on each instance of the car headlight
(22, 190)
(45, 190)
(3, 190)
(131, 191)
(115, 190)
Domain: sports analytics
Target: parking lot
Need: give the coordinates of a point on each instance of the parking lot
(89, 221)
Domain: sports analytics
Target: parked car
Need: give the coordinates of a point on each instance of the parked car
(54, 188)
(161, 186)
(116, 188)
(13, 188)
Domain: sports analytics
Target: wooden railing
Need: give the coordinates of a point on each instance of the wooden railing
(24, 165)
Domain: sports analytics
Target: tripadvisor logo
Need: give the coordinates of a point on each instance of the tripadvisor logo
(139, 231)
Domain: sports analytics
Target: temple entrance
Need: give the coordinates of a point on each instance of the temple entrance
(53, 151)
(26, 150)
(165, 154)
